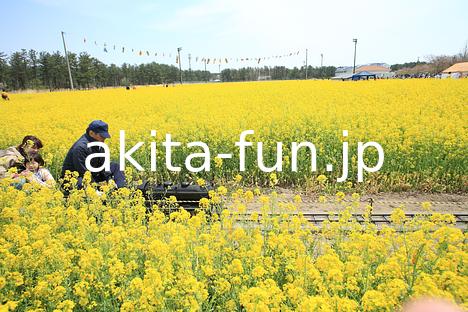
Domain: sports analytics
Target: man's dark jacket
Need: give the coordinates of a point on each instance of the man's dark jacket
(76, 157)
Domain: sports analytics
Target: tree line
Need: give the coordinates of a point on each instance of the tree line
(43, 70)
(277, 73)
(434, 64)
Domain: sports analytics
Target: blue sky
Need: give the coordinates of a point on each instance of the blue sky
(387, 31)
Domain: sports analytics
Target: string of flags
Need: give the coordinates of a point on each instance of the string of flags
(198, 59)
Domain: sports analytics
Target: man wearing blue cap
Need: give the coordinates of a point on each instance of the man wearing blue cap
(75, 160)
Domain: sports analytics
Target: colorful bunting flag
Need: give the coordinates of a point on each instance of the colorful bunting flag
(224, 60)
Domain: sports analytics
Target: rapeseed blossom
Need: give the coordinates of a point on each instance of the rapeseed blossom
(88, 253)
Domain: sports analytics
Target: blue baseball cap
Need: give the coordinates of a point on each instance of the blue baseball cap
(100, 127)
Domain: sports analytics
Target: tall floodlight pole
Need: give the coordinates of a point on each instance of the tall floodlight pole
(354, 66)
(180, 64)
(66, 59)
(306, 65)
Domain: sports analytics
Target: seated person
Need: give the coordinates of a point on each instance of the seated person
(76, 156)
(36, 173)
(16, 156)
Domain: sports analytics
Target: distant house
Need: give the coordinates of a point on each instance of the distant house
(458, 70)
(378, 70)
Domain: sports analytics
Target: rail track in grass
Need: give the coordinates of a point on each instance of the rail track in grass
(318, 217)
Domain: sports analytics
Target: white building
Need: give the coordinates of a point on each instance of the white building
(379, 71)
(343, 72)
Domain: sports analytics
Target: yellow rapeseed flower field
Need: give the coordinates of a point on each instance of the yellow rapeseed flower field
(84, 253)
(421, 125)
(109, 251)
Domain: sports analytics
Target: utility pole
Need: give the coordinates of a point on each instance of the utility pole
(66, 59)
(321, 59)
(190, 66)
(206, 76)
(354, 66)
(306, 66)
(180, 64)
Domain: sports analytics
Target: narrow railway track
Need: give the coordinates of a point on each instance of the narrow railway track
(379, 219)
(317, 218)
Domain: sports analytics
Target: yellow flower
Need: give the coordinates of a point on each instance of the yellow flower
(398, 216)
(222, 190)
(297, 199)
(218, 162)
(66, 305)
(426, 206)
(236, 267)
(248, 195)
(201, 182)
(340, 196)
(374, 300)
(321, 179)
(172, 199)
(273, 179)
(204, 203)
(254, 216)
(258, 272)
(264, 199)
